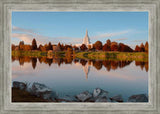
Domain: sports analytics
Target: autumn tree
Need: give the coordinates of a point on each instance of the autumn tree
(27, 47)
(42, 48)
(34, 44)
(97, 45)
(59, 45)
(13, 47)
(142, 47)
(83, 47)
(106, 47)
(146, 47)
(114, 46)
(67, 46)
(124, 48)
(75, 48)
(50, 46)
(62, 47)
(108, 42)
(21, 44)
(137, 49)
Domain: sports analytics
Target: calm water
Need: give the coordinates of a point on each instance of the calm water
(73, 76)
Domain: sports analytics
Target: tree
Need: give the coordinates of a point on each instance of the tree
(146, 47)
(83, 47)
(114, 46)
(27, 47)
(106, 47)
(59, 45)
(34, 44)
(62, 47)
(98, 45)
(21, 44)
(75, 48)
(108, 42)
(142, 47)
(124, 48)
(50, 46)
(13, 47)
(137, 49)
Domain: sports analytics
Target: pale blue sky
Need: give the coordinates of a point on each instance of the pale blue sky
(69, 27)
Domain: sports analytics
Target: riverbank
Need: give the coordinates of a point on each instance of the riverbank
(19, 95)
(99, 55)
(120, 56)
(21, 92)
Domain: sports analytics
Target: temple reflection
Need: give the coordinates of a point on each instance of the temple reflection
(86, 70)
(86, 64)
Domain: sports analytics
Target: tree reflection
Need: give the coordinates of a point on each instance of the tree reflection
(34, 62)
(98, 64)
(107, 64)
(142, 65)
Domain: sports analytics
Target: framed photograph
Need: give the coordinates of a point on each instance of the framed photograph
(80, 56)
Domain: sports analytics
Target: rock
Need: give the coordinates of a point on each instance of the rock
(67, 98)
(117, 98)
(138, 98)
(37, 87)
(19, 85)
(101, 99)
(43, 91)
(100, 93)
(83, 96)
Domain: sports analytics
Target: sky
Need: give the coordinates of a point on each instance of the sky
(130, 28)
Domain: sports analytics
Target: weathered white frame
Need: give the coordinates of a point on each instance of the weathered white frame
(7, 6)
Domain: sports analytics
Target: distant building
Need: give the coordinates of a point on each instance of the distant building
(86, 39)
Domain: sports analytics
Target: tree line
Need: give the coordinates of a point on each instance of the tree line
(97, 46)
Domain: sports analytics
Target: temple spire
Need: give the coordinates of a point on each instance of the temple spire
(86, 32)
(86, 39)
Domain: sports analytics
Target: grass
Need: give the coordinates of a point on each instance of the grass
(137, 56)
(99, 55)
(37, 53)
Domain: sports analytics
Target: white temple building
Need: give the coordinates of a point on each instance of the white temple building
(86, 39)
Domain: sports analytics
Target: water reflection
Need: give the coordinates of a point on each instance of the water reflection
(98, 64)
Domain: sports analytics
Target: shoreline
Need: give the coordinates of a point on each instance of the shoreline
(97, 55)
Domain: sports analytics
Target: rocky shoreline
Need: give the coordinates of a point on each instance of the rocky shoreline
(45, 94)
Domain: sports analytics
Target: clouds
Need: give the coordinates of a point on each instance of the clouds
(18, 29)
(105, 35)
(27, 36)
(138, 41)
(120, 39)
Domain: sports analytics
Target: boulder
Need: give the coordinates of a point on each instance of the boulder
(19, 85)
(117, 98)
(67, 98)
(138, 98)
(101, 99)
(100, 93)
(83, 96)
(37, 87)
(43, 91)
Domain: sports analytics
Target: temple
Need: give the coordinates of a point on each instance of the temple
(86, 39)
